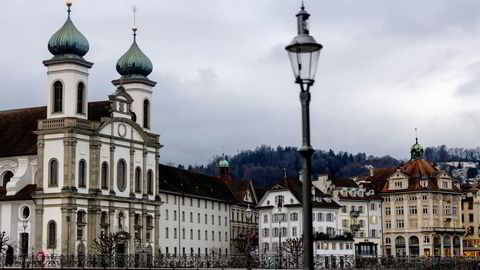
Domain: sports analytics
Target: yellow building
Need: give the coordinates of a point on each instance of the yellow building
(471, 221)
(421, 209)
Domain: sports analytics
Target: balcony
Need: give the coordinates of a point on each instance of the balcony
(68, 122)
(355, 227)
(354, 213)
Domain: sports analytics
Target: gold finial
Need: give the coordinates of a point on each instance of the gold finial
(69, 4)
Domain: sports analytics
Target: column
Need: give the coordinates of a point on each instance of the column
(39, 239)
(157, 175)
(69, 161)
(131, 230)
(93, 226)
(144, 227)
(40, 161)
(461, 245)
(94, 168)
(111, 218)
(156, 234)
(112, 167)
(68, 235)
(132, 170)
(442, 254)
(144, 173)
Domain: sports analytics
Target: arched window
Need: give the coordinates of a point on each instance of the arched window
(52, 234)
(150, 182)
(121, 175)
(81, 216)
(80, 97)
(146, 113)
(104, 175)
(53, 173)
(6, 178)
(138, 179)
(81, 174)
(57, 97)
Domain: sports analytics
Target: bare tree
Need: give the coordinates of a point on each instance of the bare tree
(294, 247)
(4, 242)
(106, 244)
(245, 245)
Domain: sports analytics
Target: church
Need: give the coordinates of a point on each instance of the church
(74, 169)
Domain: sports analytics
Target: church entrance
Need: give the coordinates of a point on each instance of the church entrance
(121, 254)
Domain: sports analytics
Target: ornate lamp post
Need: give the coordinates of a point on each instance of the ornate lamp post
(24, 246)
(303, 52)
(249, 215)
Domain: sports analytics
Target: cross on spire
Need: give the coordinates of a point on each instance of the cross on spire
(134, 28)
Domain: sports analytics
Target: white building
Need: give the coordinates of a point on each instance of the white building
(195, 213)
(360, 213)
(280, 218)
(73, 169)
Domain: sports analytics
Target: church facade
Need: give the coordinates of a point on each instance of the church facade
(74, 169)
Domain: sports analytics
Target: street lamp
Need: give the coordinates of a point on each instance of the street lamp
(248, 247)
(24, 242)
(303, 52)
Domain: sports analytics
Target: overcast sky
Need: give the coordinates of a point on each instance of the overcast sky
(225, 83)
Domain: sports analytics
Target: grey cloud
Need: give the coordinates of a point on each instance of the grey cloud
(224, 80)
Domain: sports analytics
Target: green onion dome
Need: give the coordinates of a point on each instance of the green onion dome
(68, 40)
(134, 62)
(223, 163)
(416, 151)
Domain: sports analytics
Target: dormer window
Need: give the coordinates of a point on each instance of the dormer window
(444, 184)
(424, 183)
(57, 97)
(398, 184)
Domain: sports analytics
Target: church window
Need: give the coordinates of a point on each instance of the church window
(80, 98)
(146, 113)
(52, 234)
(53, 173)
(138, 179)
(121, 175)
(150, 182)
(6, 178)
(104, 175)
(81, 174)
(57, 97)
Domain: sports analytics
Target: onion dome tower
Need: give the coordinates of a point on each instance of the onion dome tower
(416, 151)
(224, 168)
(134, 67)
(67, 72)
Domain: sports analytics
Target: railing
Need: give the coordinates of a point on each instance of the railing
(354, 213)
(67, 122)
(162, 261)
(230, 261)
(355, 227)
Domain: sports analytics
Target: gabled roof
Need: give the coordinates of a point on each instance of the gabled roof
(179, 181)
(17, 126)
(416, 170)
(295, 187)
(240, 188)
